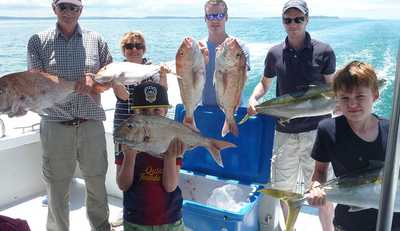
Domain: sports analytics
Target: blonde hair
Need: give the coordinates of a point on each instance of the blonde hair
(355, 74)
(131, 35)
(216, 2)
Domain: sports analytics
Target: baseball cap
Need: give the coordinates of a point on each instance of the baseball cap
(148, 95)
(298, 4)
(74, 2)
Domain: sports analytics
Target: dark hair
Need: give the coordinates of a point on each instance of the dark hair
(216, 2)
(355, 74)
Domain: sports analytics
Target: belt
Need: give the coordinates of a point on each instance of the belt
(75, 122)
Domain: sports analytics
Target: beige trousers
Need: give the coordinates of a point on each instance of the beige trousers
(64, 147)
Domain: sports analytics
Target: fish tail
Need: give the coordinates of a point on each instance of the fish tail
(293, 201)
(216, 146)
(245, 118)
(230, 126)
(190, 123)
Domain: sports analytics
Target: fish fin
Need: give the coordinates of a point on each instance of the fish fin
(326, 96)
(190, 123)
(356, 209)
(245, 118)
(293, 200)
(230, 126)
(216, 146)
(293, 213)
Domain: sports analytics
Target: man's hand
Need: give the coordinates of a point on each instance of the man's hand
(251, 110)
(85, 85)
(317, 196)
(204, 51)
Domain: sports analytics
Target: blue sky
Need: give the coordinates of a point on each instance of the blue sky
(374, 9)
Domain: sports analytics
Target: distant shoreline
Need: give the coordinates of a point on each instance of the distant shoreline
(148, 17)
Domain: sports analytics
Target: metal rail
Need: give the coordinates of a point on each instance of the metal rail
(2, 129)
(391, 171)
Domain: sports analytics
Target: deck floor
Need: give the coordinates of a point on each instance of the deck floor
(35, 214)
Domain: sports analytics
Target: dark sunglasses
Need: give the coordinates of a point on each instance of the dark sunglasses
(63, 7)
(217, 16)
(297, 20)
(130, 46)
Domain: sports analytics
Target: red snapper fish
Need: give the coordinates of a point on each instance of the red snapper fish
(229, 78)
(32, 91)
(190, 67)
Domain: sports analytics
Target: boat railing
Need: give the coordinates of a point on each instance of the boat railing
(29, 128)
(2, 129)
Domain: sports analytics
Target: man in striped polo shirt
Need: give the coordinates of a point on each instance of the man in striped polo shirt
(72, 131)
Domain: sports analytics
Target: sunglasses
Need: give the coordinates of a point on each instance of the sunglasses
(130, 46)
(297, 20)
(217, 16)
(63, 7)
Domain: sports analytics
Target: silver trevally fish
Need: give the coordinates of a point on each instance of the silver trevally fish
(315, 101)
(229, 77)
(360, 190)
(32, 91)
(127, 73)
(153, 134)
(190, 67)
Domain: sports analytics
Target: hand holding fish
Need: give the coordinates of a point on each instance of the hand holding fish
(85, 85)
(251, 110)
(120, 90)
(128, 152)
(316, 195)
(204, 51)
(176, 148)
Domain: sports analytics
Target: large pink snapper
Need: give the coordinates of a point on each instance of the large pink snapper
(190, 67)
(229, 78)
(32, 91)
(153, 134)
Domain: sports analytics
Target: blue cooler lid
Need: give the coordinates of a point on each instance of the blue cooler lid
(249, 162)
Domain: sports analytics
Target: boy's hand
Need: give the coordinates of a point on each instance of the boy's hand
(316, 196)
(128, 152)
(175, 149)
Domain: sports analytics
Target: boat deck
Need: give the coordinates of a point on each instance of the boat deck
(35, 214)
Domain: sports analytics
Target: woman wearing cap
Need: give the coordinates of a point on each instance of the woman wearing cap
(152, 198)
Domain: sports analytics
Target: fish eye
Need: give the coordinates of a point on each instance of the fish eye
(130, 126)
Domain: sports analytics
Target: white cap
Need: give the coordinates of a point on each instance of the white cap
(74, 2)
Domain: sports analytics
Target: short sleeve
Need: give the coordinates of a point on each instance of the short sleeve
(330, 61)
(33, 54)
(323, 145)
(269, 65)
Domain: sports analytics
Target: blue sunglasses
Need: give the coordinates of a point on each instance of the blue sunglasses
(217, 16)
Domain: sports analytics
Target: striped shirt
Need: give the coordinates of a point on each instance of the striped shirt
(70, 59)
(123, 107)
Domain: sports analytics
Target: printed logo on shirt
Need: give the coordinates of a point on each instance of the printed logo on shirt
(151, 174)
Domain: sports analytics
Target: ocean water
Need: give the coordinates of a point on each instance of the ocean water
(372, 41)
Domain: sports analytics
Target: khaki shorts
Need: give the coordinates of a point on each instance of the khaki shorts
(177, 226)
(291, 157)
